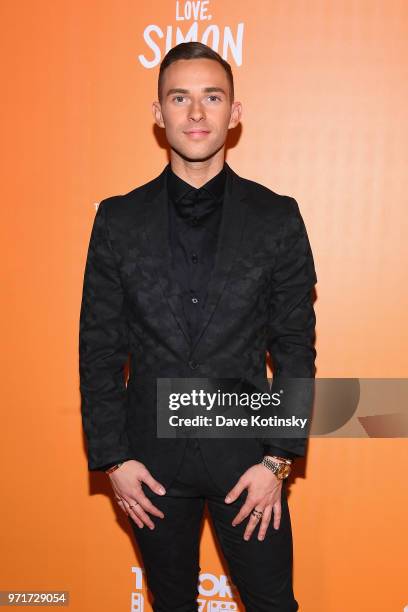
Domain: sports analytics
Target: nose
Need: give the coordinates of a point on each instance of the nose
(196, 111)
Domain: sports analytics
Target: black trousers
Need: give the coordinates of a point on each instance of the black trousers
(260, 570)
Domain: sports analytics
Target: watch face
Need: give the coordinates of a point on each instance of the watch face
(284, 471)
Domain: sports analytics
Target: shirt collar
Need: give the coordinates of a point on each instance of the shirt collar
(178, 188)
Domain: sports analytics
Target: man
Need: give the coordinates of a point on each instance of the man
(197, 273)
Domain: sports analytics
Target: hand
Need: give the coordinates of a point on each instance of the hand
(126, 483)
(264, 494)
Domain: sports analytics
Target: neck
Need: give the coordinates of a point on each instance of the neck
(197, 173)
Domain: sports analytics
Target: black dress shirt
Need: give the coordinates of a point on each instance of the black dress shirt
(194, 221)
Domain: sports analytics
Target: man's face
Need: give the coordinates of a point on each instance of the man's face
(196, 110)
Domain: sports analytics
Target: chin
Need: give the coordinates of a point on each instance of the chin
(194, 154)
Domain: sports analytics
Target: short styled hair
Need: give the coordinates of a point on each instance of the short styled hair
(193, 50)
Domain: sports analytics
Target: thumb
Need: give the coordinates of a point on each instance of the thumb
(152, 483)
(235, 491)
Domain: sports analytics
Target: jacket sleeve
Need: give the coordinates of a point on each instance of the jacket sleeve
(292, 322)
(279, 452)
(103, 351)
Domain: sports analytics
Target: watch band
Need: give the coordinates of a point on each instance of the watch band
(281, 470)
(284, 459)
(114, 467)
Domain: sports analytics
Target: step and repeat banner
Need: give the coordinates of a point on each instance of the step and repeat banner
(324, 91)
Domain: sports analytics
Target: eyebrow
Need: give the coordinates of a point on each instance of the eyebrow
(186, 91)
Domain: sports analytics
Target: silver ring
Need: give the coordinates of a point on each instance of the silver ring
(134, 505)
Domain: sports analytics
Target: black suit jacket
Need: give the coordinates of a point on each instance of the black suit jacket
(259, 299)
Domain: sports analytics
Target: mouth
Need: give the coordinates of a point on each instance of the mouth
(197, 133)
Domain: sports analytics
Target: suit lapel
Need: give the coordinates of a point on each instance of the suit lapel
(157, 246)
(229, 238)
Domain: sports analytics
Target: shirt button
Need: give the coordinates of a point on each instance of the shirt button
(194, 258)
(194, 221)
(193, 364)
(194, 300)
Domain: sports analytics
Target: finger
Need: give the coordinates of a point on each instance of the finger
(135, 517)
(134, 512)
(277, 513)
(152, 483)
(124, 507)
(252, 523)
(235, 491)
(137, 510)
(146, 503)
(245, 510)
(266, 519)
(141, 498)
(130, 512)
(148, 506)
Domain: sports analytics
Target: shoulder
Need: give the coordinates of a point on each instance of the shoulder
(117, 207)
(264, 200)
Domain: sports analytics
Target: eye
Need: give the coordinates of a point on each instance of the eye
(214, 96)
(176, 97)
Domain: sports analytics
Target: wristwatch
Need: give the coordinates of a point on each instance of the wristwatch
(280, 469)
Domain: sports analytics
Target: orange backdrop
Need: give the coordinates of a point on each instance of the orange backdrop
(324, 93)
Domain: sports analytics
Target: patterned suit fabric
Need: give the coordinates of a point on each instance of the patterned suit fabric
(259, 298)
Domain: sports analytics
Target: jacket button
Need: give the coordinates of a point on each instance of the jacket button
(193, 364)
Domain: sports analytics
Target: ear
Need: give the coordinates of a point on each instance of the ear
(157, 113)
(236, 114)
